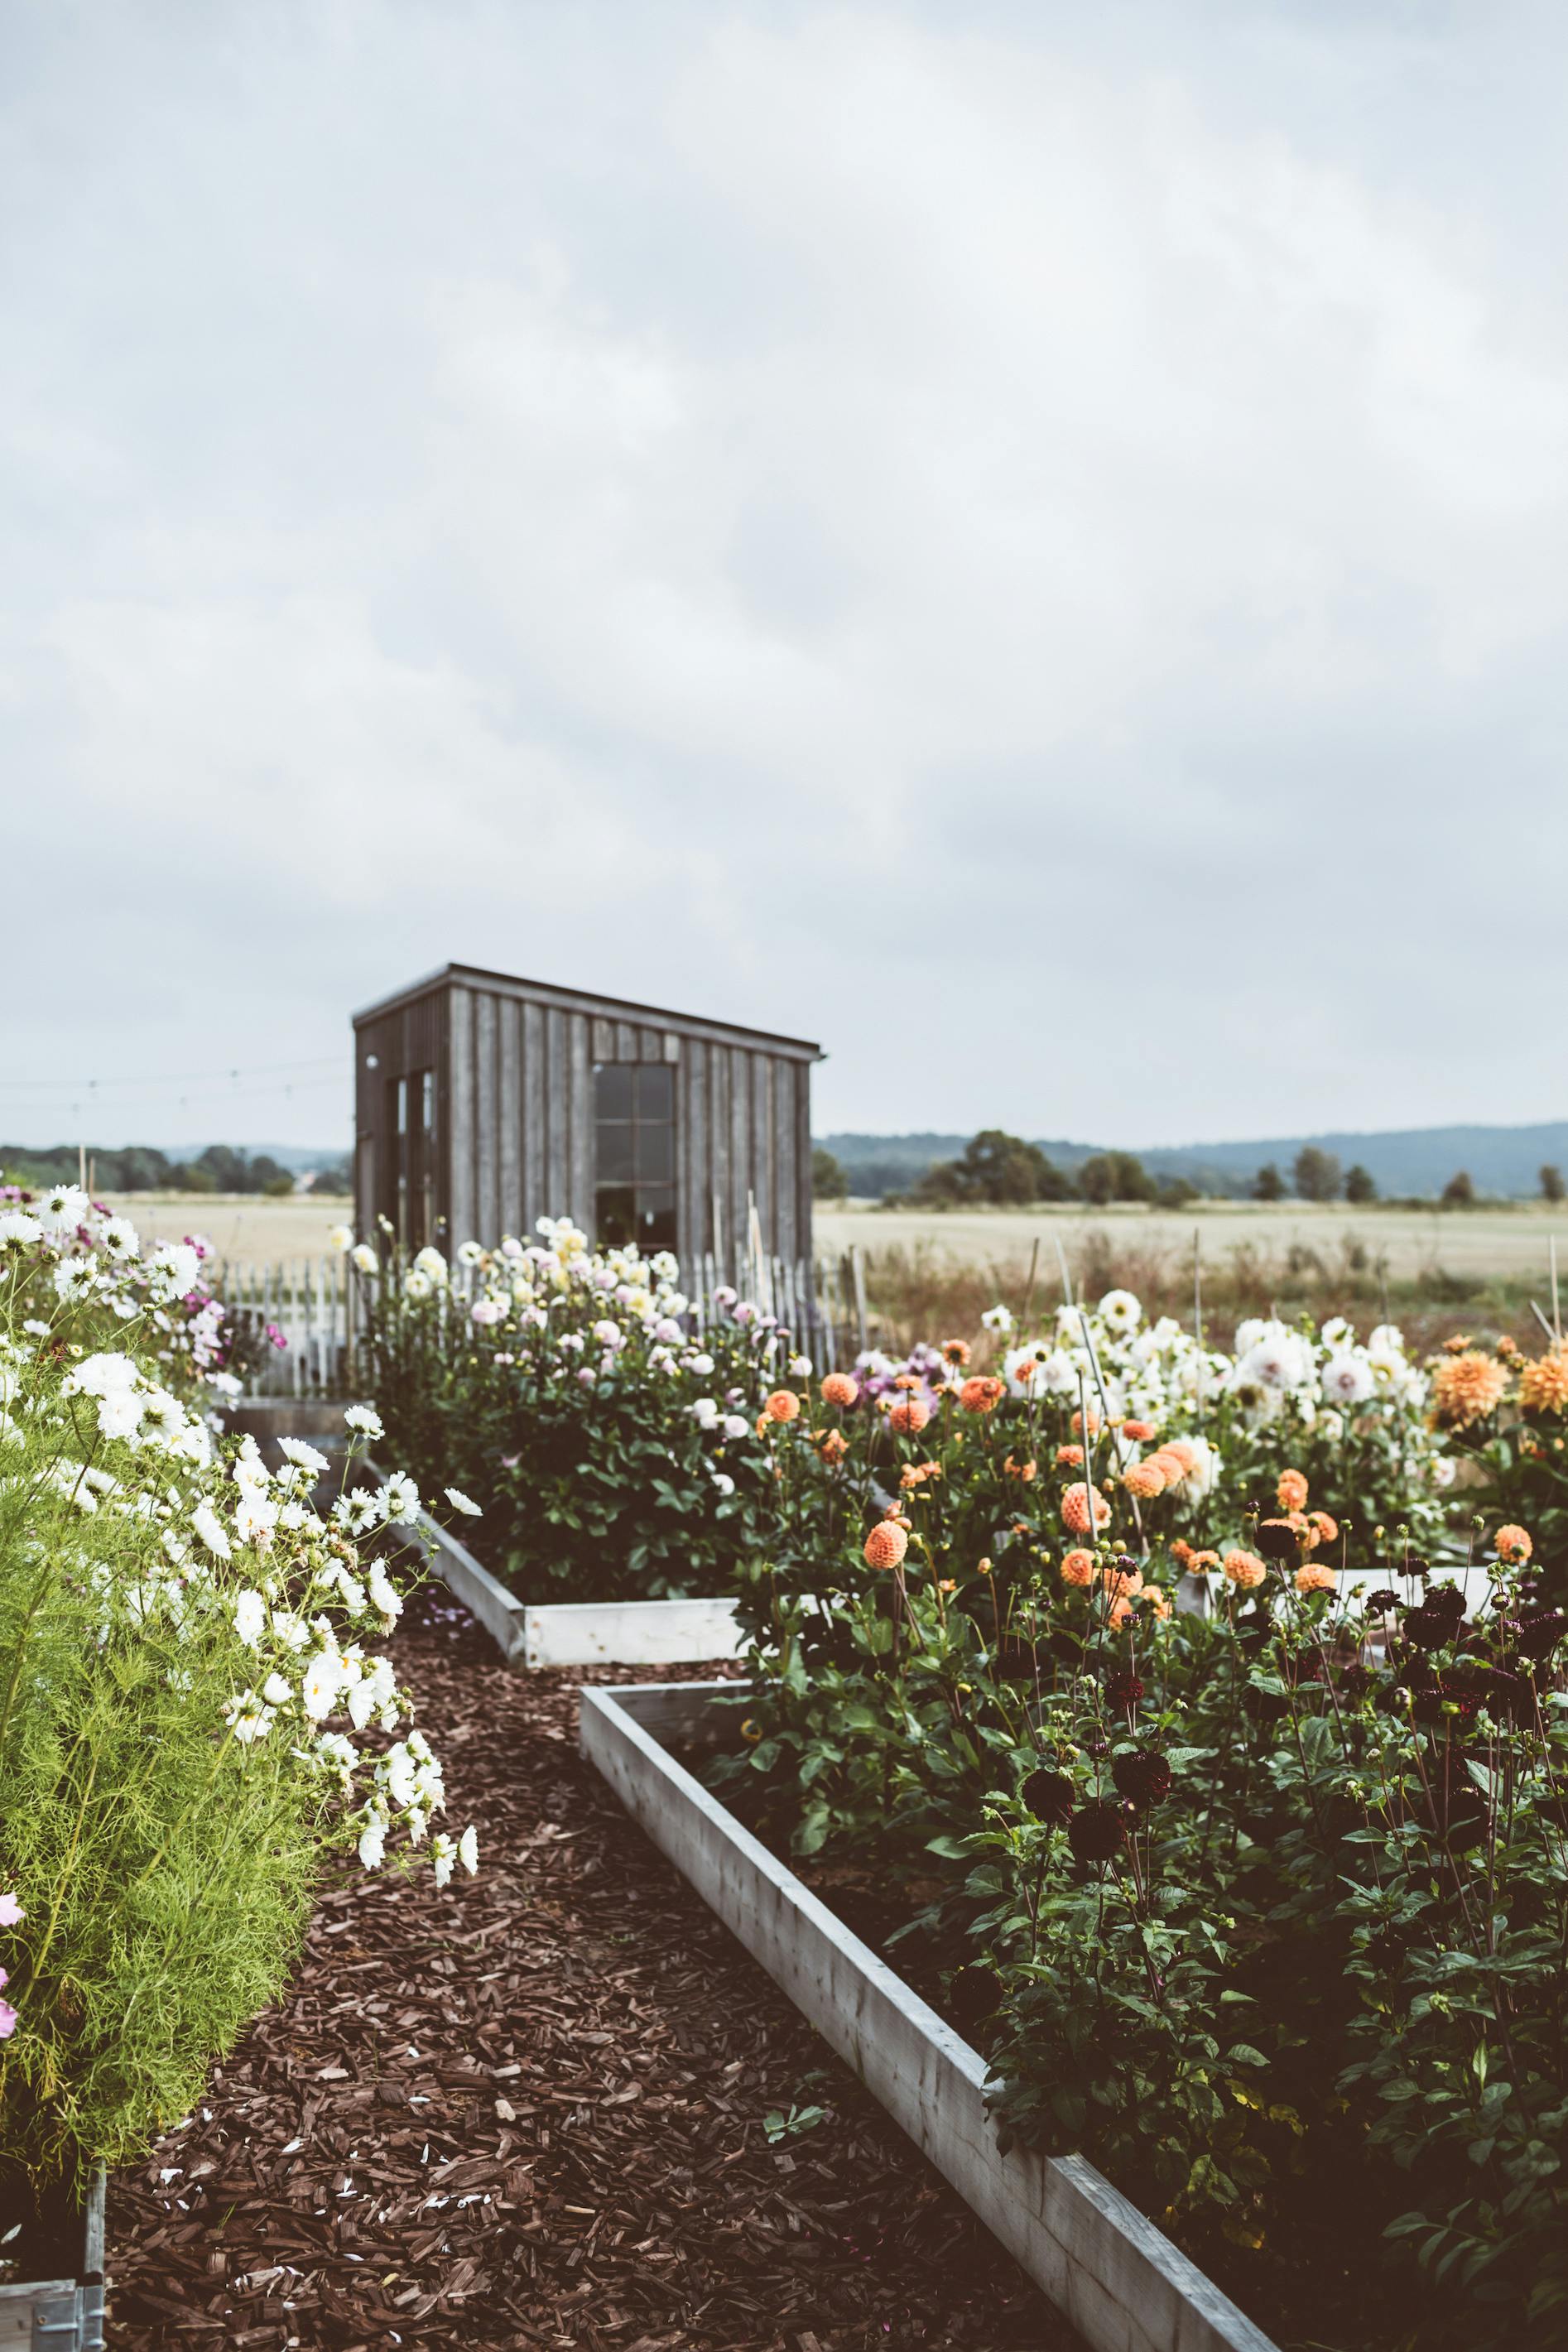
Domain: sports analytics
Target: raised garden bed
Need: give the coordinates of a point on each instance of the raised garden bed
(577, 1633)
(1122, 2285)
(60, 2313)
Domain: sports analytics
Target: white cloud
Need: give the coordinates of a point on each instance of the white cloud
(987, 546)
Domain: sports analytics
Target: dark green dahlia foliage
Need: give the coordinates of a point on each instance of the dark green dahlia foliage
(1262, 1906)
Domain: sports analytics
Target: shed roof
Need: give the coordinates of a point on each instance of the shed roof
(579, 999)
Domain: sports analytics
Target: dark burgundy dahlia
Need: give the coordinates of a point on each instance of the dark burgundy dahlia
(1123, 1688)
(1049, 1796)
(1098, 1829)
(1144, 1779)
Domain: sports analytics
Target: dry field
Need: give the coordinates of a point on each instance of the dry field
(1498, 1244)
(244, 1229)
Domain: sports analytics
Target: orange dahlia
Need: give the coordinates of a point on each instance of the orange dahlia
(783, 1405)
(1514, 1545)
(1316, 1576)
(1078, 1567)
(1182, 1450)
(840, 1390)
(1022, 1470)
(1069, 1457)
(1466, 1389)
(1543, 1385)
(831, 1444)
(1325, 1529)
(908, 1416)
(1083, 1511)
(1144, 1480)
(1140, 1432)
(1077, 1422)
(982, 1392)
(1291, 1491)
(955, 1351)
(1245, 1569)
(885, 1545)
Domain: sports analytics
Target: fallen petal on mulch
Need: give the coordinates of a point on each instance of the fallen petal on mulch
(529, 2111)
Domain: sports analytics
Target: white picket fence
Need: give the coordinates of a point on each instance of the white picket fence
(316, 1307)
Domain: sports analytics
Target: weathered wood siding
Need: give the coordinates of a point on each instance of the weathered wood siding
(515, 1106)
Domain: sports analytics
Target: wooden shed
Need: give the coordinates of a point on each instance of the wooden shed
(483, 1102)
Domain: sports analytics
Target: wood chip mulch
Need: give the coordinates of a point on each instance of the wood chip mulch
(529, 2111)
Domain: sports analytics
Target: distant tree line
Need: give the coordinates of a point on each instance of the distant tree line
(1002, 1171)
(142, 1168)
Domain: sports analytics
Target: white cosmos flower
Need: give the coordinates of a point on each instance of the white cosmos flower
(340, 1238)
(386, 1599)
(997, 1318)
(118, 1238)
(248, 1717)
(443, 1855)
(1336, 1332)
(209, 1527)
(276, 1691)
(107, 1374)
(460, 1502)
(292, 1630)
(470, 1252)
(175, 1268)
(250, 1617)
(119, 1414)
(416, 1284)
(468, 1850)
(365, 1419)
(323, 1680)
(1120, 1312)
(1388, 1340)
(402, 1498)
(305, 1456)
(18, 1229)
(358, 1511)
(431, 1265)
(372, 1842)
(65, 1206)
(366, 1260)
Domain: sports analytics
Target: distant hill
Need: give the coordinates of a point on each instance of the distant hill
(1411, 1162)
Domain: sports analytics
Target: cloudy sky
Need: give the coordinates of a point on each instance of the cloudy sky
(1028, 541)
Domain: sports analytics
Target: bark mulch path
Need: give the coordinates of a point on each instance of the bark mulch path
(529, 2111)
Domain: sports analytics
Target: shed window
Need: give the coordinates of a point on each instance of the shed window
(634, 1108)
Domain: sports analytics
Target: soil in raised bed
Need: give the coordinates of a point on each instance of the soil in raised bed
(529, 2111)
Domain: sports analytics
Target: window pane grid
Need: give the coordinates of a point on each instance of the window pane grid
(634, 1132)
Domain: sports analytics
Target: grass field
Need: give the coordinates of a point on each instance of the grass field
(244, 1228)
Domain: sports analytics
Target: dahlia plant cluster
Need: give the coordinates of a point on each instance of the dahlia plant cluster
(191, 1711)
(1259, 1843)
(1505, 1416)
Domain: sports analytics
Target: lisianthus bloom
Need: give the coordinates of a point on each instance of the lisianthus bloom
(1316, 1576)
(1023, 1470)
(1084, 1511)
(832, 1444)
(885, 1545)
(908, 1415)
(1245, 1569)
(955, 1351)
(1514, 1545)
(1069, 1457)
(1543, 1385)
(1466, 1389)
(1291, 1491)
(1143, 1479)
(1077, 1422)
(1140, 1432)
(982, 1392)
(783, 1405)
(840, 1390)
(1078, 1567)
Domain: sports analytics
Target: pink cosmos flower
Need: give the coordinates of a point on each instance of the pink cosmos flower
(7, 2020)
(11, 1914)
